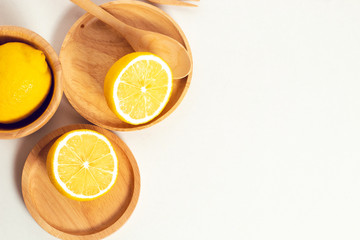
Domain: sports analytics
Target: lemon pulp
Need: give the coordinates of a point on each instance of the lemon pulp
(82, 164)
(137, 87)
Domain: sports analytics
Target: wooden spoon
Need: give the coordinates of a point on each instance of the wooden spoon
(145, 41)
(175, 2)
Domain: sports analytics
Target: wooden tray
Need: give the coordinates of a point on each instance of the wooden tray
(70, 219)
(91, 47)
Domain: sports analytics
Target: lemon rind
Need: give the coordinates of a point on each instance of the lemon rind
(126, 117)
(54, 176)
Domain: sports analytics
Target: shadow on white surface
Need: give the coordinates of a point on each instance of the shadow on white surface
(64, 25)
(8, 15)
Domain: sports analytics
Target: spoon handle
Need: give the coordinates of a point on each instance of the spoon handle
(103, 15)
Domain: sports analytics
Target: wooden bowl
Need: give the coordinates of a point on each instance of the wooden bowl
(41, 116)
(91, 47)
(69, 219)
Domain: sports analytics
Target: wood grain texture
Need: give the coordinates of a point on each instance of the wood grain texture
(69, 219)
(91, 47)
(40, 117)
(142, 40)
(174, 2)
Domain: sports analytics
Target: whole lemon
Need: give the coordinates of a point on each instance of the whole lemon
(25, 81)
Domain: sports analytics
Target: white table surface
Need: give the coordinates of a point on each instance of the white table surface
(265, 145)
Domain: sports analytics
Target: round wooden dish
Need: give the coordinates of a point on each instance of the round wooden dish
(70, 219)
(41, 116)
(91, 47)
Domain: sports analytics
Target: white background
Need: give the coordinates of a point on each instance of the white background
(265, 145)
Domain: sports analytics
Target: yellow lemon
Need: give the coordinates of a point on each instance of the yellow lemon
(137, 87)
(82, 164)
(25, 81)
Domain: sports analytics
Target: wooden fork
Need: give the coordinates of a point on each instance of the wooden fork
(175, 2)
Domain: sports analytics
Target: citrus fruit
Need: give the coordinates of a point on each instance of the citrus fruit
(82, 164)
(137, 87)
(25, 81)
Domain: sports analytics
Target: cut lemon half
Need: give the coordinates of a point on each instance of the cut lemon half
(82, 164)
(137, 87)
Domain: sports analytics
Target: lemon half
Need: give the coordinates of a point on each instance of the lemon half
(138, 86)
(82, 164)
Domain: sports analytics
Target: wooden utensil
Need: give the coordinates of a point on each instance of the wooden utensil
(91, 47)
(73, 220)
(145, 41)
(175, 2)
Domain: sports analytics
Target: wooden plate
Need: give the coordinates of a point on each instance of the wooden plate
(91, 47)
(70, 219)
